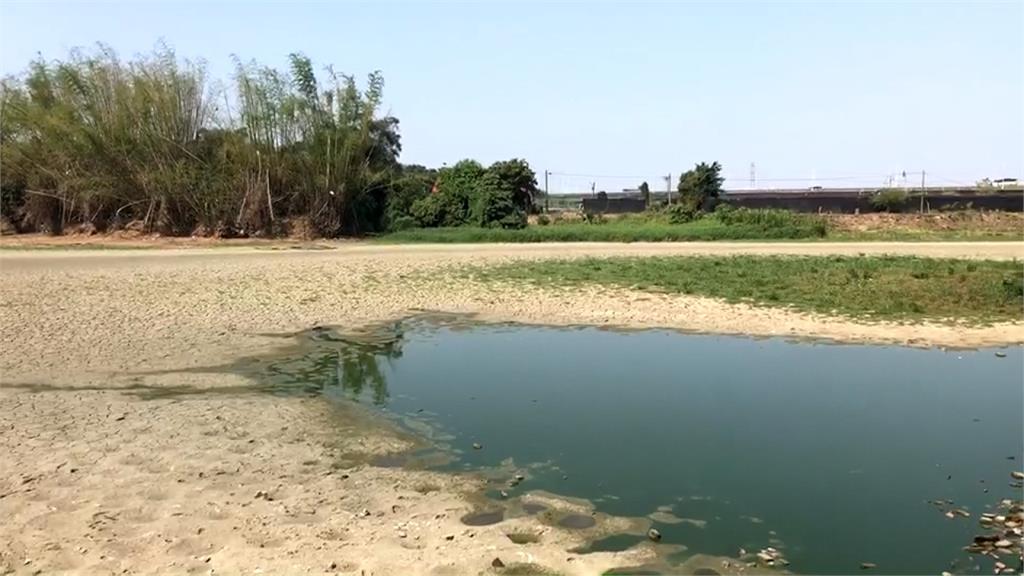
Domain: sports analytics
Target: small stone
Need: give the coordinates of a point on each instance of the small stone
(1000, 354)
(504, 494)
(984, 520)
(1003, 544)
(1017, 475)
(333, 566)
(868, 565)
(947, 574)
(520, 477)
(363, 513)
(999, 565)
(477, 446)
(497, 563)
(949, 514)
(654, 534)
(450, 537)
(402, 534)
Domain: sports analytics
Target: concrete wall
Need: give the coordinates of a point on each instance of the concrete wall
(849, 203)
(613, 205)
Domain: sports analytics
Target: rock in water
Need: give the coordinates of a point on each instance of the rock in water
(1000, 354)
(654, 535)
(868, 565)
(497, 563)
(1017, 475)
(477, 446)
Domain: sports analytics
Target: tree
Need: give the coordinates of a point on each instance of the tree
(700, 184)
(450, 205)
(516, 178)
(645, 193)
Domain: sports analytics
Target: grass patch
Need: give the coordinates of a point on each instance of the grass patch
(889, 288)
(633, 228)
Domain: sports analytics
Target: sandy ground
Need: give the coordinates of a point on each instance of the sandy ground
(94, 479)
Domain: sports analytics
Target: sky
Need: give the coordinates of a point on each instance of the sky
(615, 93)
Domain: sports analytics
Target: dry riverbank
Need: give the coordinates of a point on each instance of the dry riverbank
(95, 479)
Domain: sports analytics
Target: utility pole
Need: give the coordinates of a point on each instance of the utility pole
(922, 192)
(546, 174)
(668, 188)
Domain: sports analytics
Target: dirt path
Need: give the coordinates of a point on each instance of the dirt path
(94, 479)
(341, 250)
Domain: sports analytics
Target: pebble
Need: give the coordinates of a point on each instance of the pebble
(1000, 354)
(497, 563)
(868, 565)
(654, 534)
(520, 477)
(1017, 475)
(477, 446)
(1003, 544)
(450, 537)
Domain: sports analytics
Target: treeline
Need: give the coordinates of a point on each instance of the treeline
(153, 143)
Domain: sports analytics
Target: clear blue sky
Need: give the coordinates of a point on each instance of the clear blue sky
(637, 90)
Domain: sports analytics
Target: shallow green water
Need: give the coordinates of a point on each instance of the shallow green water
(828, 452)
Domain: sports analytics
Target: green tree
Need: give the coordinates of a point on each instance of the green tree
(516, 178)
(645, 193)
(450, 204)
(700, 184)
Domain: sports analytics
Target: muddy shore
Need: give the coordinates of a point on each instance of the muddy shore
(95, 479)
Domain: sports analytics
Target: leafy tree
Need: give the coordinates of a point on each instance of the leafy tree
(645, 192)
(700, 184)
(517, 178)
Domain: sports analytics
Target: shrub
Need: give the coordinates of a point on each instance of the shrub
(682, 213)
(774, 223)
(543, 220)
(496, 208)
(889, 200)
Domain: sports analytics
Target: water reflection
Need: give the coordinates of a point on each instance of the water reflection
(335, 362)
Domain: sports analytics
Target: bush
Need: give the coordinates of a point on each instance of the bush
(682, 213)
(774, 223)
(496, 208)
(543, 220)
(889, 200)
